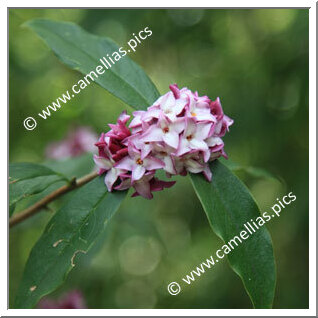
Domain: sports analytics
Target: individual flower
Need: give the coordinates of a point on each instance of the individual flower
(216, 109)
(71, 300)
(165, 154)
(193, 138)
(145, 189)
(144, 186)
(136, 165)
(112, 173)
(170, 104)
(165, 130)
(77, 142)
(199, 109)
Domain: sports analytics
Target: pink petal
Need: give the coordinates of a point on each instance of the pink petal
(143, 189)
(207, 172)
(123, 117)
(124, 185)
(158, 185)
(175, 90)
(216, 109)
(169, 165)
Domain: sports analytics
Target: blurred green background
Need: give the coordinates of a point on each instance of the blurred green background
(257, 62)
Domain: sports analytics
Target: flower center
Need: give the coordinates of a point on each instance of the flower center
(189, 137)
(139, 161)
(165, 130)
(193, 114)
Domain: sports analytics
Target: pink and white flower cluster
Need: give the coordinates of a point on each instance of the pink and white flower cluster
(181, 132)
(77, 142)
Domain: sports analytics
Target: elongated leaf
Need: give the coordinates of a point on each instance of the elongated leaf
(26, 179)
(68, 236)
(11, 209)
(82, 51)
(252, 171)
(73, 167)
(228, 206)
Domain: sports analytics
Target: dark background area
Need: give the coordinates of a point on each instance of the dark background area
(256, 61)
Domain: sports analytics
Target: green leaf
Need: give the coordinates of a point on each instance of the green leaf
(11, 209)
(68, 236)
(252, 171)
(228, 205)
(82, 51)
(26, 179)
(73, 167)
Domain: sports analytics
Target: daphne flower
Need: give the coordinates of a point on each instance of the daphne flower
(136, 165)
(71, 300)
(145, 188)
(199, 110)
(170, 104)
(144, 147)
(77, 142)
(193, 138)
(180, 133)
(119, 131)
(165, 130)
(188, 162)
(215, 143)
(165, 154)
(112, 174)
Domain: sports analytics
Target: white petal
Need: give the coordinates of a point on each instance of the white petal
(168, 102)
(202, 131)
(183, 147)
(110, 178)
(126, 163)
(169, 167)
(103, 162)
(152, 134)
(190, 127)
(138, 172)
(171, 138)
(214, 141)
(193, 166)
(198, 144)
(178, 125)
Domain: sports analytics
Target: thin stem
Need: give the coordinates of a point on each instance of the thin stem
(33, 209)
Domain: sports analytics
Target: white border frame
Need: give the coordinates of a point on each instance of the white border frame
(312, 163)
